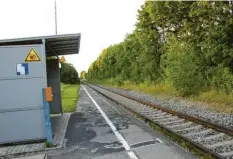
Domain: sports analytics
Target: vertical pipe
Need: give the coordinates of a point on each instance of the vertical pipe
(58, 63)
(48, 128)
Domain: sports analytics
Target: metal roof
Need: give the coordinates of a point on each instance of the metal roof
(55, 44)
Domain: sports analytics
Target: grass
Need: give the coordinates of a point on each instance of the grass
(210, 99)
(150, 88)
(216, 100)
(49, 145)
(162, 89)
(70, 97)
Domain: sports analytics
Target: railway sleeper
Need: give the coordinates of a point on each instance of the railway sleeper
(226, 151)
(152, 113)
(172, 118)
(219, 144)
(211, 137)
(160, 117)
(174, 122)
(181, 126)
(203, 132)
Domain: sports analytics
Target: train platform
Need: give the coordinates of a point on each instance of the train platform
(102, 129)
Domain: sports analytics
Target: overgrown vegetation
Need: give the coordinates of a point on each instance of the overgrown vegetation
(185, 45)
(70, 97)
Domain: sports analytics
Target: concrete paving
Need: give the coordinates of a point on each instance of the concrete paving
(59, 126)
(89, 135)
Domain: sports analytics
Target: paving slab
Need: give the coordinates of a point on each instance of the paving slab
(59, 126)
(135, 135)
(159, 151)
(120, 155)
(41, 156)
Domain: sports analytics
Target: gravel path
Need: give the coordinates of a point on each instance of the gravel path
(181, 105)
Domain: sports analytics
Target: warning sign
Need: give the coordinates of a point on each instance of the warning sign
(62, 60)
(32, 56)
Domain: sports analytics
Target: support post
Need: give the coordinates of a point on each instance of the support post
(48, 128)
(60, 83)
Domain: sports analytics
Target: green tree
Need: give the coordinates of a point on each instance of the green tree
(68, 74)
(83, 74)
(183, 68)
(187, 43)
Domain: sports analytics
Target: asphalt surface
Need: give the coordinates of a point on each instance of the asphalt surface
(90, 135)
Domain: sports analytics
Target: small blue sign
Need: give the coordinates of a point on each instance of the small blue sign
(22, 69)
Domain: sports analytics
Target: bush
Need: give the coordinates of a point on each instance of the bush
(222, 78)
(183, 68)
(69, 75)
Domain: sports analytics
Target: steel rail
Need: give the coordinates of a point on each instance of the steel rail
(179, 114)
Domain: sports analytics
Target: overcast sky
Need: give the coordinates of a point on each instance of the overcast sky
(100, 22)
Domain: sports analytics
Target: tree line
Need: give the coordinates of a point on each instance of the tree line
(187, 44)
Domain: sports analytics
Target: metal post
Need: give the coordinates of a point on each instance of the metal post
(60, 84)
(56, 17)
(48, 128)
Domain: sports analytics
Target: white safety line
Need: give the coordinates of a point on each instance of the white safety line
(157, 139)
(118, 135)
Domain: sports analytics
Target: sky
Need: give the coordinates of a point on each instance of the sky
(100, 22)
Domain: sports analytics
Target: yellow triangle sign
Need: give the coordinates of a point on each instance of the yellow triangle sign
(62, 60)
(32, 56)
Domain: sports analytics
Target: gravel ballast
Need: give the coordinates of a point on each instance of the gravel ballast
(178, 104)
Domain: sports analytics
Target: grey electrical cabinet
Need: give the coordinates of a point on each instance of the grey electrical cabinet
(25, 69)
(21, 105)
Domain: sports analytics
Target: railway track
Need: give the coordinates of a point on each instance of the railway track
(209, 138)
